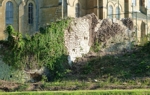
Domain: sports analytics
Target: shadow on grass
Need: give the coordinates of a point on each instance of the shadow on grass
(113, 68)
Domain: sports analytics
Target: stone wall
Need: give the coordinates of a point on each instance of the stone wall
(82, 33)
(9, 74)
(115, 37)
(112, 36)
(78, 36)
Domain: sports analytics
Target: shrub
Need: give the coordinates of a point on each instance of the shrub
(45, 48)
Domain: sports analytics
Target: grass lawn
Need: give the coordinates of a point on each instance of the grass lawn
(83, 92)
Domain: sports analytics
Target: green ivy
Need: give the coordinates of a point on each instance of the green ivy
(96, 47)
(45, 48)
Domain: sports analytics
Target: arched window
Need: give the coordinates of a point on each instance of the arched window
(134, 2)
(60, 2)
(117, 12)
(110, 12)
(142, 2)
(30, 13)
(9, 13)
(77, 10)
(148, 4)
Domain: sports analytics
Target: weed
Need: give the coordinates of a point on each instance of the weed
(23, 87)
(96, 47)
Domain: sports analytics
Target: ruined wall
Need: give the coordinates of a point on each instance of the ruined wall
(114, 37)
(81, 34)
(77, 38)
(9, 74)
(84, 32)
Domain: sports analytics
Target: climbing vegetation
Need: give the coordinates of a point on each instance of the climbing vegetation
(45, 48)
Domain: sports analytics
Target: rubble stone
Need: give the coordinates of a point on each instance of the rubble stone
(83, 32)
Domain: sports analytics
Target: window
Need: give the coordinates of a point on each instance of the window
(148, 4)
(117, 12)
(60, 2)
(110, 12)
(9, 13)
(142, 3)
(134, 2)
(77, 10)
(30, 13)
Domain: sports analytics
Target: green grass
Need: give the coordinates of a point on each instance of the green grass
(84, 92)
(84, 85)
(123, 66)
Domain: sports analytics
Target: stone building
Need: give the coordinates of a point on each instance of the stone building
(26, 16)
(137, 10)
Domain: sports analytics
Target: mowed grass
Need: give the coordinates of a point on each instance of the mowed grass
(83, 92)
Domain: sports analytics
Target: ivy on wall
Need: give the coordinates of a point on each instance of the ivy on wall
(45, 48)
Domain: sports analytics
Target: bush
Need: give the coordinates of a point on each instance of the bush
(45, 48)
